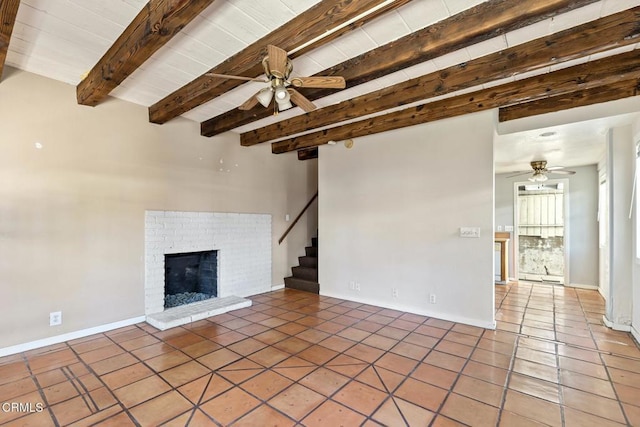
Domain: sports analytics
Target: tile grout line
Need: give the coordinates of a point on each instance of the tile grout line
(557, 357)
(40, 391)
(510, 371)
(99, 378)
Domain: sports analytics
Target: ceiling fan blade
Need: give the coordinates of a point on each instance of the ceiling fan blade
(561, 172)
(520, 173)
(249, 103)
(323, 82)
(277, 61)
(301, 101)
(248, 79)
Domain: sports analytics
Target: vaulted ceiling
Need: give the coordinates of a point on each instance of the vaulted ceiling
(405, 61)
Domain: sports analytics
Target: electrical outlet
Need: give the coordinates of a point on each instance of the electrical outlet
(499, 228)
(432, 298)
(394, 291)
(55, 318)
(358, 287)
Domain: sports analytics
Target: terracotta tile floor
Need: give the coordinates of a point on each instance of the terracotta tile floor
(300, 359)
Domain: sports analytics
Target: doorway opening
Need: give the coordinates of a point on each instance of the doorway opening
(541, 233)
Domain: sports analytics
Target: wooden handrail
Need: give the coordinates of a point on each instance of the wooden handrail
(295, 221)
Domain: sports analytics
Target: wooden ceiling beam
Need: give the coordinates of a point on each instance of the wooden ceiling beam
(8, 13)
(155, 25)
(597, 95)
(311, 153)
(305, 27)
(602, 72)
(479, 23)
(612, 31)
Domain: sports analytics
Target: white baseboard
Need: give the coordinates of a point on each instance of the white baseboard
(69, 336)
(277, 287)
(615, 326)
(582, 286)
(415, 310)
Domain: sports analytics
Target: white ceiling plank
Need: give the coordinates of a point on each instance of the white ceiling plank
(354, 43)
(215, 37)
(235, 22)
(567, 20)
(327, 55)
(387, 28)
(299, 6)
(487, 47)
(451, 59)
(305, 66)
(568, 64)
(195, 50)
(534, 31)
(610, 7)
(611, 52)
(418, 14)
(271, 14)
(421, 69)
(118, 12)
(68, 21)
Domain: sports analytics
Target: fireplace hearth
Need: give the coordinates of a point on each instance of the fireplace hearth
(190, 277)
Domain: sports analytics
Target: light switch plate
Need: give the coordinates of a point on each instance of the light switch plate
(508, 228)
(470, 232)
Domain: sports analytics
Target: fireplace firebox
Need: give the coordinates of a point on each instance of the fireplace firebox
(190, 277)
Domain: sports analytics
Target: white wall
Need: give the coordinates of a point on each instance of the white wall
(582, 222)
(620, 167)
(390, 210)
(635, 318)
(72, 213)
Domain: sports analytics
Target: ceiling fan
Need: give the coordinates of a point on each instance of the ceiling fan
(277, 68)
(540, 171)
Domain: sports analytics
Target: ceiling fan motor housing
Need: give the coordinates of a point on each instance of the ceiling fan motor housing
(539, 166)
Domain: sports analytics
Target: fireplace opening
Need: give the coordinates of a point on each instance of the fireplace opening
(190, 277)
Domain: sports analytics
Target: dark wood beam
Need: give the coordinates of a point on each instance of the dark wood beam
(481, 22)
(305, 27)
(597, 95)
(8, 12)
(311, 153)
(602, 72)
(612, 31)
(155, 25)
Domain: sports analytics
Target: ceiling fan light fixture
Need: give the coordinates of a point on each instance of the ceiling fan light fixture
(538, 177)
(265, 96)
(283, 98)
(284, 105)
(282, 94)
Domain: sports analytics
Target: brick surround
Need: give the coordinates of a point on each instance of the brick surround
(243, 242)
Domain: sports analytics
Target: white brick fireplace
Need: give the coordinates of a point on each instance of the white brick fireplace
(243, 242)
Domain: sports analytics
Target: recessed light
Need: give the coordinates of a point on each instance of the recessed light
(547, 134)
(38, 145)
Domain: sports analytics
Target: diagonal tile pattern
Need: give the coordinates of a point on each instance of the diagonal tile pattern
(298, 359)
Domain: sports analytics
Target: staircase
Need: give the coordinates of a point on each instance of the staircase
(305, 276)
